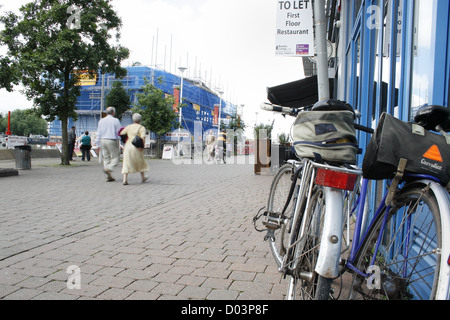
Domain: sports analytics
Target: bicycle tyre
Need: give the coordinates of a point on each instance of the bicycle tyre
(304, 282)
(278, 195)
(412, 225)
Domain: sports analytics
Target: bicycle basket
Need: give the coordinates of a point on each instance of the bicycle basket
(426, 152)
(329, 135)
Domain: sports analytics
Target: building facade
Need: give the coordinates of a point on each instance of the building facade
(384, 56)
(391, 56)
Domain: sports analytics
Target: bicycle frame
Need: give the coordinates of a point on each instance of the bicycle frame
(443, 199)
(331, 239)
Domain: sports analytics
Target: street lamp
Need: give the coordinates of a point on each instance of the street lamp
(220, 111)
(182, 69)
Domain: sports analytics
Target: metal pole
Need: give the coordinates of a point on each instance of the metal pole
(320, 23)
(182, 69)
(102, 94)
(181, 92)
(220, 111)
(8, 131)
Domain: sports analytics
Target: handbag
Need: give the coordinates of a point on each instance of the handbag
(425, 152)
(123, 137)
(138, 142)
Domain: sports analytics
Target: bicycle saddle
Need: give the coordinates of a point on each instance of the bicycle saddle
(431, 116)
(332, 105)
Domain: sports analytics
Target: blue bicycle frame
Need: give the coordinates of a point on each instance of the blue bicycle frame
(357, 239)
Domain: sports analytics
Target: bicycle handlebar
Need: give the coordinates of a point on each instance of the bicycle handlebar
(272, 107)
(363, 128)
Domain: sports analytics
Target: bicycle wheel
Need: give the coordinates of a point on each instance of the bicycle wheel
(406, 241)
(305, 283)
(279, 192)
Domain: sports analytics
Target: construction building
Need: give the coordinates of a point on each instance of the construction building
(201, 103)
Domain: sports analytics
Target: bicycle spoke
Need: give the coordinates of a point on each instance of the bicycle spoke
(407, 252)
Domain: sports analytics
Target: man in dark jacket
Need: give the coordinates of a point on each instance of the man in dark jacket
(71, 138)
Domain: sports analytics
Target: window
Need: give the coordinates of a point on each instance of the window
(422, 67)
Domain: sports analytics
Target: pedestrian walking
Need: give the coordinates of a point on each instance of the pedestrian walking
(71, 138)
(108, 142)
(221, 146)
(133, 158)
(210, 141)
(86, 147)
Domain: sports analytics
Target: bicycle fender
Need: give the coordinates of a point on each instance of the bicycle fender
(330, 245)
(443, 200)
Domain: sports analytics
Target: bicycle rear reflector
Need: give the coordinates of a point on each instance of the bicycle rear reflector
(335, 179)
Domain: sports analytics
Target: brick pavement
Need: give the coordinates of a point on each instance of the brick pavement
(185, 234)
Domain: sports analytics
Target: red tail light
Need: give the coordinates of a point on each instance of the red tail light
(335, 179)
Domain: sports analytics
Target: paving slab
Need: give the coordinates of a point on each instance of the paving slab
(187, 233)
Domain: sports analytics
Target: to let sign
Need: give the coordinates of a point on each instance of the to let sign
(295, 35)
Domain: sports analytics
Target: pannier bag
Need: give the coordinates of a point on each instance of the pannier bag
(327, 134)
(426, 152)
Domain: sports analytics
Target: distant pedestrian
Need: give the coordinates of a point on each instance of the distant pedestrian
(210, 141)
(108, 142)
(133, 158)
(86, 147)
(71, 138)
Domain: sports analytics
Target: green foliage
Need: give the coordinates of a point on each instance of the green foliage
(156, 109)
(283, 138)
(119, 98)
(8, 74)
(24, 123)
(262, 126)
(46, 49)
(236, 123)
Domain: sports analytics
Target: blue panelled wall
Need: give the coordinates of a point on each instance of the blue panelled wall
(391, 56)
(198, 99)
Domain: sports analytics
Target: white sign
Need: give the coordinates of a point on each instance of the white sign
(295, 34)
(167, 152)
(177, 134)
(13, 141)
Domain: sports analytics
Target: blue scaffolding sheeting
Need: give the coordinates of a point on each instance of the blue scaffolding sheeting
(199, 101)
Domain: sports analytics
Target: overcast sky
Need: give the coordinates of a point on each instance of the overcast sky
(230, 43)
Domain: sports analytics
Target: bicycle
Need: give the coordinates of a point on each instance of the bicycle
(398, 253)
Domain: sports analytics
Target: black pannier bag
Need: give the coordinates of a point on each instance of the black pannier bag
(328, 135)
(426, 152)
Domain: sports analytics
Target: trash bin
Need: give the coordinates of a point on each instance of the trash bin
(22, 155)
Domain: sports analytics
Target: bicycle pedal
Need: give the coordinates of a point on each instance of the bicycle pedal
(273, 220)
(270, 225)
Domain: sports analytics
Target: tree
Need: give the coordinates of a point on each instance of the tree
(54, 38)
(236, 123)
(24, 123)
(238, 126)
(8, 73)
(156, 109)
(119, 98)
